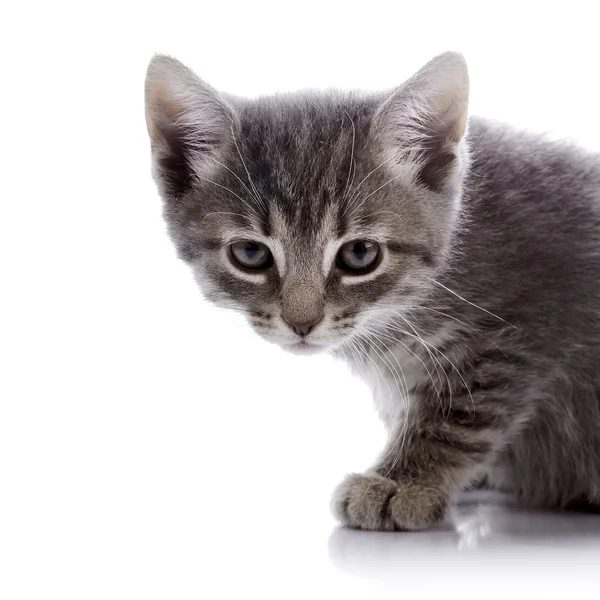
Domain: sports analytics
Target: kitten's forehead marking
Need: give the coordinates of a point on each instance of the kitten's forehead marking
(305, 247)
(331, 249)
(311, 254)
(278, 228)
(278, 255)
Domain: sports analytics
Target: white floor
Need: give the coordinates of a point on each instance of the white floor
(486, 538)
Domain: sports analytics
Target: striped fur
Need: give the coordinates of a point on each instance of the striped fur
(479, 330)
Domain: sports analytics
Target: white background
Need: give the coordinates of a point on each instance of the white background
(150, 446)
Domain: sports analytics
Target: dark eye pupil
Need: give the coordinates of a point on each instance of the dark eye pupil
(251, 255)
(360, 251)
(251, 249)
(358, 256)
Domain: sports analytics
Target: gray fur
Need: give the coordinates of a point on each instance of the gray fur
(479, 330)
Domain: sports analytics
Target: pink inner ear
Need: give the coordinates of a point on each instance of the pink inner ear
(454, 119)
(432, 105)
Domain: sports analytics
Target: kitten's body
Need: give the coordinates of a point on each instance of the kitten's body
(529, 250)
(480, 326)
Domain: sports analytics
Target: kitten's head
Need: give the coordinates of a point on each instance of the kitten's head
(315, 214)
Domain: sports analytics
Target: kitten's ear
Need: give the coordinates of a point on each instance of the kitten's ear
(188, 124)
(424, 121)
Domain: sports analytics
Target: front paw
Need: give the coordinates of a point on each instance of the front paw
(376, 503)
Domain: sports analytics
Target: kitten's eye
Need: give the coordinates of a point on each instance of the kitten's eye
(358, 257)
(251, 255)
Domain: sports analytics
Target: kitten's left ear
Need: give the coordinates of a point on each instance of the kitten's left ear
(424, 121)
(188, 122)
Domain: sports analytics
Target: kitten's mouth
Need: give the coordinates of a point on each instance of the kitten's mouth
(303, 347)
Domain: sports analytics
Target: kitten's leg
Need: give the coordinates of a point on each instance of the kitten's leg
(428, 461)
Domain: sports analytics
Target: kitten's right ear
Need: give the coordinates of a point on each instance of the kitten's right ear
(424, 122)
(188, 124)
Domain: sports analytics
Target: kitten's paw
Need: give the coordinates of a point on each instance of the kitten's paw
(373, 502)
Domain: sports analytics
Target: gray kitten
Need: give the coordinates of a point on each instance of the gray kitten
(454, 264)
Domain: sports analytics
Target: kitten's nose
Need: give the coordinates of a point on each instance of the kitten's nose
(302, 328)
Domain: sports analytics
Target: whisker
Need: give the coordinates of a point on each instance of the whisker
(435, 362)
(230, 191)
(353, 196)
(374, 192)
(433, 347)
(356, 352)
(408, 349)
(258, 198)
(471, 303)
(233, 173)
(434, 359)
(352, 161)
(210, 214)
(382, 212)
(439, 312)
(401, 439)
(402, 397)
(381, 377)
(384, 357)
(395, 309)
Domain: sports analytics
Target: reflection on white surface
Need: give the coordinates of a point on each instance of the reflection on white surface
(485, 536)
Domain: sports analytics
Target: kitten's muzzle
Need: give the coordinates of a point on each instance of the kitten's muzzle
(302, 328)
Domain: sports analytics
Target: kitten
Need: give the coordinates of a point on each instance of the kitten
(458, 271)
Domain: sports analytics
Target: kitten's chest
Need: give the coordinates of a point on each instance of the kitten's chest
(394, 372)
(393, 375)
